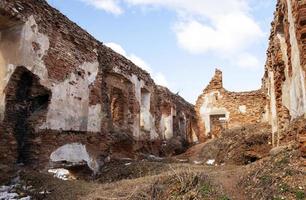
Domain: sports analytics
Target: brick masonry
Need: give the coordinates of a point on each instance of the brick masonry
(76, 90)
(219, 109)
(284, 78)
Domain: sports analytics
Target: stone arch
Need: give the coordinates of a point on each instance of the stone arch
(26, 104)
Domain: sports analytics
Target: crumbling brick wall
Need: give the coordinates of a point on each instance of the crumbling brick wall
(95, 96)
(182, 113)
(284, 79)
(219, 109)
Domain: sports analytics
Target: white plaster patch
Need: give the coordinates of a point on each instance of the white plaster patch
(16, 49)
(242, 109)
(297, 89)
(74, 153)
(144, 120)
(207, 109)
(167, 125)
(266, 115)
(69, 108)
(145, 115)
(94, 118)
(194, 137)
(273, 102)
(286, 87)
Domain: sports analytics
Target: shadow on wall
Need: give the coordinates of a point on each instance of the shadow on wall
(26, 104)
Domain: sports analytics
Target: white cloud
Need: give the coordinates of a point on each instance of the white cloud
(248, 61)
(111, 6)
(116, 47)
(141, 63)
(229, 34)
(196, 7)
(223, 27)
(158, 77)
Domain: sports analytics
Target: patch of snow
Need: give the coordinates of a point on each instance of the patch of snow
(183, 160)
(44, 192)
(8, 192)
(60, 173)
(7, 195)
(4, 188)
(127, 164)
(210, 162)
(126, 159)
(197, 162)
(155, 158)
(25, 198)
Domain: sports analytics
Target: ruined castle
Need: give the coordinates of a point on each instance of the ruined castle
(62, 90)
(282, 97)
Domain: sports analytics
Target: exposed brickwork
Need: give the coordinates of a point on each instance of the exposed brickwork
(235, 109)
(284, 79)
(96, 97)
(81, 91)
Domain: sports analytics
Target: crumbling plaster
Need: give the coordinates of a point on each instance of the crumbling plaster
(297, 89)
(284, 79)
(70, 103)
(74, 68)
(16, 49)
(147, 120)
(76, 154)
(208, 108)
(166, 124)
(23, 45)
(238, 108)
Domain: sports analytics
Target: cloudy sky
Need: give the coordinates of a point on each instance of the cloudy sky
(181, 42)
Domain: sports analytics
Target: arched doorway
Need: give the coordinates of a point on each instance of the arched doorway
(25, 105)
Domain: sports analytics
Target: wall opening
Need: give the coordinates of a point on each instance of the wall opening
(118, 107)
(145, 117)
(183, 126)
(121, 103)
(26, 103)
(217, 124)
(167, 121)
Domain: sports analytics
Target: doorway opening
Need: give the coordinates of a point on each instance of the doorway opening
(26, 103)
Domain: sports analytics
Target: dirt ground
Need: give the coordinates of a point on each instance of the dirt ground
(280, 177)
(244, 168)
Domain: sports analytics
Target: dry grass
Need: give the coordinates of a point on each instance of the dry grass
(181, 181)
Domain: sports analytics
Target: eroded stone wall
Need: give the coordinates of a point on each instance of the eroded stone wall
(96, 97)
(219, 109)
(284, 79)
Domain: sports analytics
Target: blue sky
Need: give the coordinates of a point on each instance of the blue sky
(181, 42)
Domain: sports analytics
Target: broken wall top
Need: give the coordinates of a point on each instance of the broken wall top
(79, 47)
